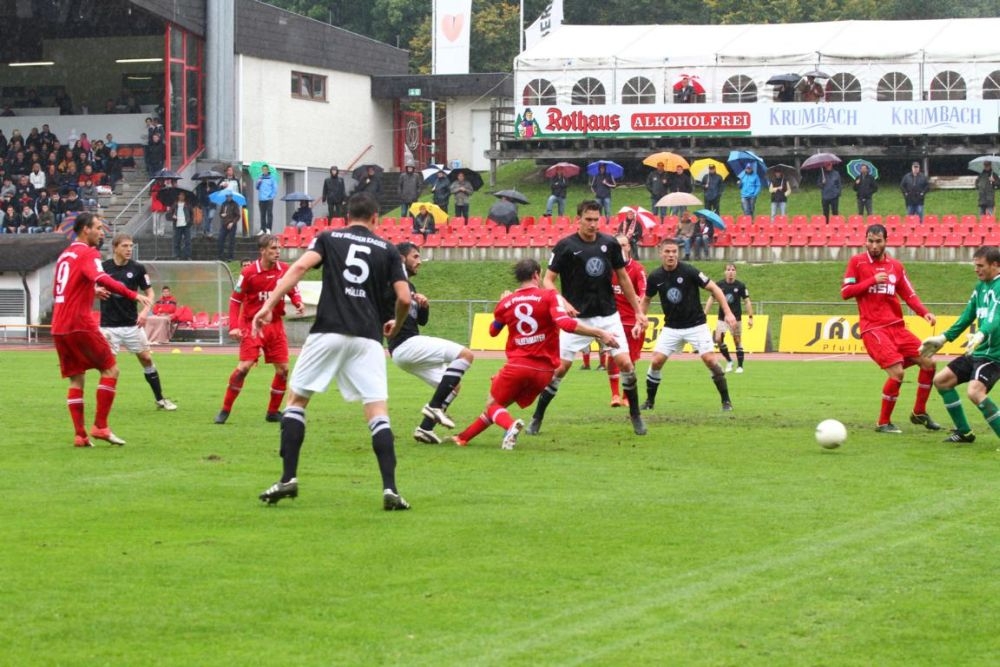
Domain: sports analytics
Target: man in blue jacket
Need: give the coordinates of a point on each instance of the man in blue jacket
(749, 189)
(266, 190)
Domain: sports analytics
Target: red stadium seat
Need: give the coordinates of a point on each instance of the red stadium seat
(306, 236)
(856, 221)
(337, 222)
(740, 240)
(321, 223)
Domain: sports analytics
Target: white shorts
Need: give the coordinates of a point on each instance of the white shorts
(673, 340)
(721, 328)
(356, 364)
(570, 343)
(426, 357)
(133, 339)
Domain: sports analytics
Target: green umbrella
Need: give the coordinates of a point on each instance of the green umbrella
(256, 169)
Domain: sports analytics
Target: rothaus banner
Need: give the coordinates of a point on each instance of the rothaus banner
(826, 334)
(759, 120)
(452, 27)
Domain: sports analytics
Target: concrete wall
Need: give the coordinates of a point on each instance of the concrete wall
(468, 136)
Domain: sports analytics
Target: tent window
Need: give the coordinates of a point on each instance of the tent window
(638, 90)
(948, 85)
(894, 87)
(843, 88)
(588, 91)
(739, 88)
(991, 86)
(539, 92)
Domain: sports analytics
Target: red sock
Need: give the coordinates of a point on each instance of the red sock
(614, 377)
(277, 391)
(604, 359)
(890, 392)
(475, 428)
(74, 401)
(924, 382)
(105, 398)
(498, 415)
(233, 390)
(586, 358)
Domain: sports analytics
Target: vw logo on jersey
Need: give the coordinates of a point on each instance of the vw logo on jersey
(595, 267)
(674, 295)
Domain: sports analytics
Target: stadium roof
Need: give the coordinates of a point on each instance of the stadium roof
(24, 253)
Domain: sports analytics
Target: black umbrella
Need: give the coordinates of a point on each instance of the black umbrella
(166, 174)
(504, 213)
(782, 79)
(817, 74)
(512, 195)
(362, 171)
(168, 196)
(790, 173)
(210, 175)
(471, 176)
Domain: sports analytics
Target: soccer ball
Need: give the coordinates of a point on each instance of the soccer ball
(830, 433)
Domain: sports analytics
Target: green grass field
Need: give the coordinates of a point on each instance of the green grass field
(718, 539)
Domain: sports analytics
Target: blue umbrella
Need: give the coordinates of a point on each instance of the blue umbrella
(614, 169)
(712, 217)
(219, 197)
(297, 196)
(854, 168)
(738, 161)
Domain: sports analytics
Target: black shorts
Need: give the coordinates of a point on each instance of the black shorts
(981, 369)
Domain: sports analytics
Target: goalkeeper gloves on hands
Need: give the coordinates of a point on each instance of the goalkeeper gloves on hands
(973, 342)
(931, 345)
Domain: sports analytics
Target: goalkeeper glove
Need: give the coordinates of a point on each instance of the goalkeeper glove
(973, 342)
(931, 345)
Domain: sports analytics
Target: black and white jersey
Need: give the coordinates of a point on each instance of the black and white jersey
(585, 270)
(416, 318)
(735, 292)
(117, 311)
(679, 294)
(357, 268)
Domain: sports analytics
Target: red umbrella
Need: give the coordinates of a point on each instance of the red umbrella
(695, 83)
(647, 218)
(569, 170)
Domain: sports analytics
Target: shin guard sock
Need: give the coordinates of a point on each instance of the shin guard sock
(383, 444)
(719, 378)
(498, 415)
(545, 398)
(105, 398)
(724, 351)
(452, 376)
(740, 356)
(953, 404)
(233, 389)
(481, 423)
(293, 433)
(631, 390)
(74, 403)
(278, 384)
(614, 376)
(992, 415)
(652, 384)
(925, 380)
(153, 379)
(890, 392)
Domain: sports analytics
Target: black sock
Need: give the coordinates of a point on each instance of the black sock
(293, 433)
(739, 357)
(719, 378)
(652, 385)
(452, 376)
(383, 444)
(153, 378)
(631, 392)
(545, 398)
(724, 351)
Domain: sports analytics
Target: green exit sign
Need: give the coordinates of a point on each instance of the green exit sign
(413, 92)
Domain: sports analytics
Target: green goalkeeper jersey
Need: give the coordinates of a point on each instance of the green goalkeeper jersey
(983, 308)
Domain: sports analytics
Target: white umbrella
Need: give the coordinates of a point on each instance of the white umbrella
(976, 164)
(679, 199)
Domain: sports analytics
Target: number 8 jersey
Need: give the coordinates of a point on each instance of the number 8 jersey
(533, 317)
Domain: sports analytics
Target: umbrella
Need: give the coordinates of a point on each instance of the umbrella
(816, 74)
(712, 217)
(569, 169)
(670, 160)
(678, 199)
(614, 169)
(219, 197)
(695, 83)
(166, 175)
(791, 174)
(738, 161)
(256, 170)
(168, 196)
(647, 218)
(362, 171)
(820, 160)
(430, 173)
(783, 79)
(512, 195)
(471, 176)
(975, 164)
(504, 213)
(440, 215)
(854, 168)
(297, 196)
(210, 175)
(700, 167)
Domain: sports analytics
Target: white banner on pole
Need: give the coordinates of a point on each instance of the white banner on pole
(550, 19)
(453, 21)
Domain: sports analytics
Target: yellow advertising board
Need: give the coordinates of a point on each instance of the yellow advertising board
(754, 340)
(836, 334)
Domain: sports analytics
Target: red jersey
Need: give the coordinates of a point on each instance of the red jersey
(78, 269)
(637, 276)
(878, 303)
(253, 287)
(533, 317)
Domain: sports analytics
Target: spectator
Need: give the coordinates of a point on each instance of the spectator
(266, 188)
(830, 188)
(371, 183)
(114, 169)
(631, 228)
(37, 176)
(202, 191)
(158, 208)
(461, 189)
(410, 184)
(785, 92)
(442, 190)
(73, 203)
(231, 181)
(558, 187)
(29, 220)
(680, 181)
(8, 190)
(46, 219)
(58, 207)
(334, 193)
(865, 187)
(702, 237)
(88, 194)
(658, 184)
(230, 218)
(601, 185)
(686, 93)
(303, 215)
(166, 304)
(181, 215)
(63, 101)
(685, 233)
(810, 89)
(12, 221)
(914, 186)
(423, 223)
(160, 326)
(780, 188)
(986, 185)
(155, 155)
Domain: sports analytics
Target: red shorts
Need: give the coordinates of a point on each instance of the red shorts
(634, 342)
(272, 341)
(518, 384)
(79, 351)
(893, 345)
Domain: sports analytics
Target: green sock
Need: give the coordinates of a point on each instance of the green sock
(953, 404)
(992, 415)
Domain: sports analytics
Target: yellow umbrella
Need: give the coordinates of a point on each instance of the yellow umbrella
(440, 216)
(700, 167)
(669, 160)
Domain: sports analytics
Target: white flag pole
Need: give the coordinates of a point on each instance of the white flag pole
(520, 28)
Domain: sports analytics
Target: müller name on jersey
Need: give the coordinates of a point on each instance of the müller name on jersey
(356, 292)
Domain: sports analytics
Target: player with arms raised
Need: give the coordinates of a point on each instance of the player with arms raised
(256, 282)
(77, 339)
(533, 317)
(878, 281)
